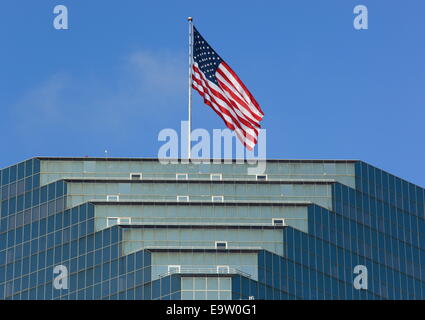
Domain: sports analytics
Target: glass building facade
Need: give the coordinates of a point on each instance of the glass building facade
(139, 229)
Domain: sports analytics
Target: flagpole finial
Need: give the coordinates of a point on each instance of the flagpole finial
(189, 19)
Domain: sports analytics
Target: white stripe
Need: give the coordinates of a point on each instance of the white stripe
(224, 104)
(228, 95)
(238, 87)
(240, 136)
(228, 119)
(243, 140)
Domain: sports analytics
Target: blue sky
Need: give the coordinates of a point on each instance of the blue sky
(119, 75)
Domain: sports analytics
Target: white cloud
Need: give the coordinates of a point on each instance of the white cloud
(161, 73)
(42, 103)
(145, 85)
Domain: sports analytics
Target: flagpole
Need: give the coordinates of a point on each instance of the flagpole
(189, 147)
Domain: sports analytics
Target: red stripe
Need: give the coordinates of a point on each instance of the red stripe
(224, 111)
(221, 97)
(243, 142)
(236, 98)
(248, 93)
(212, 94)
(254, 123)
(207, 102)
(230, 125)
(217, 94)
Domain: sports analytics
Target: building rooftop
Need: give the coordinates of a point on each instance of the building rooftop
(180, 159)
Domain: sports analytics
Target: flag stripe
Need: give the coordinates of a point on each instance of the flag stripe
(227, 117)
(217, 93)
(248, 143)
(208, 95)
(223, 105)
(240, 86)
(233, 95)
(224, 92)
(220, 105)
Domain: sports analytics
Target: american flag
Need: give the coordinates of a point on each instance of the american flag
(224, 92)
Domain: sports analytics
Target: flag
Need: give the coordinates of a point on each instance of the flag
(224, 92)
